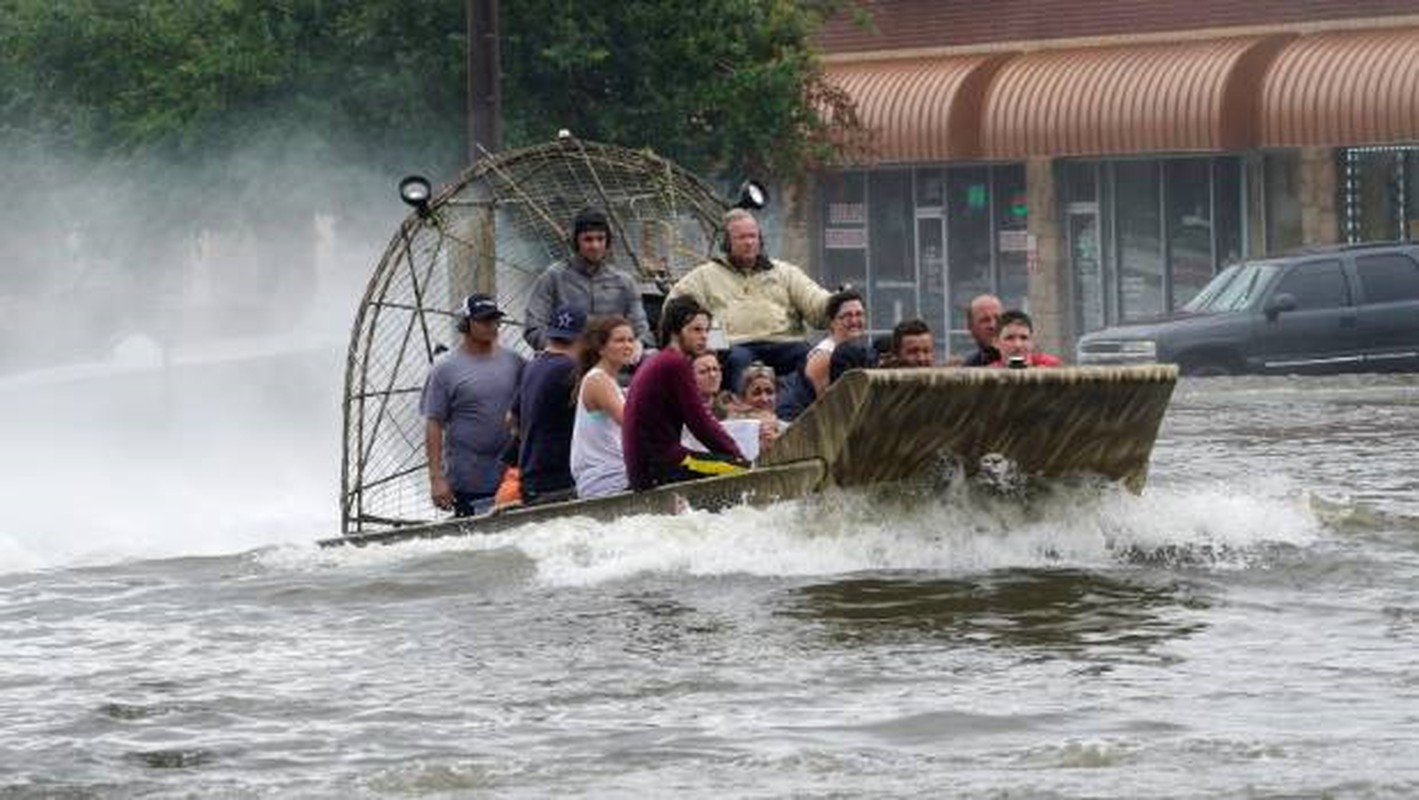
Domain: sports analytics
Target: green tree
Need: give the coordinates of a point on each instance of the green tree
(722, 86)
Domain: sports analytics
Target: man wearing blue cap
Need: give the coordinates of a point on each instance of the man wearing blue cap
(465, 404)
(545, 412)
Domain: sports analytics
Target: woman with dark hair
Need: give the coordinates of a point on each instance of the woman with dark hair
(847, 319)
(597, 463)
(709, 379)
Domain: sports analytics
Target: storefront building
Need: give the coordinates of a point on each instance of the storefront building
(1104, 174)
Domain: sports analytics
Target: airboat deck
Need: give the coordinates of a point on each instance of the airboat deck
(881, 426)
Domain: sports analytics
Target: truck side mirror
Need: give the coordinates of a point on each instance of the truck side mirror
(1285, 301)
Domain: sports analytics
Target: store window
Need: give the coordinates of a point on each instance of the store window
(1281, 173)
(968, 260)
(1079, 189)
(931, 249)
(1144, 237)
(923, 241)
(1188, 219)
(1138, 240)
(1411, 195)
(1228, 217)
(843, 211)
(1012, 210)
(892, 284)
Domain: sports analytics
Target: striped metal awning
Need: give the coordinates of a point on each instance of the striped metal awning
(1343, 88)
(1161, 97)
(1330, 89)
(919, 110)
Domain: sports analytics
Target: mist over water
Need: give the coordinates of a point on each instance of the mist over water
(171, 361)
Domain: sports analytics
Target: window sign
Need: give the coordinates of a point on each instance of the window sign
(847, 214)
(1014, 241)
(1019, 208)
(976, 197)
(845, 238)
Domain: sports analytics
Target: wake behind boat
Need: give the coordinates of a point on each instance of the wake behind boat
(502, 223)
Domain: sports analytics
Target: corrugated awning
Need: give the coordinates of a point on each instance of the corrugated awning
(1188, 96)
(1343, 88)
(919, 109)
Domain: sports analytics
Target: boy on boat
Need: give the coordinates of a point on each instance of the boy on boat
(663, 399)
(545, 412)
(912, 344)
(1016, 343)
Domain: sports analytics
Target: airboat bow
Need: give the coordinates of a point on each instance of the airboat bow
(506, 219)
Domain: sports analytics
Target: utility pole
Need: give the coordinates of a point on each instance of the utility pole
(485, 97)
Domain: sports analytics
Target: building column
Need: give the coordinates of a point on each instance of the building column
(1319, 186)
(1049, 263)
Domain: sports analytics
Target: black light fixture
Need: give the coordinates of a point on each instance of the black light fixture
(416, 191)
(752, 196)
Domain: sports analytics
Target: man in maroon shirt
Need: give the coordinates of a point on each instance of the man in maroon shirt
(663, 399)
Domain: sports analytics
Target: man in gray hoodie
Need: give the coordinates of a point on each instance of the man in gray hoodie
(585, 281)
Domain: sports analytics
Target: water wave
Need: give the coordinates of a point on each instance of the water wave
(962, 531)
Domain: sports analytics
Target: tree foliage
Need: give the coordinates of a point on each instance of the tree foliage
(192, 79)
(726, 86)
(720, 85)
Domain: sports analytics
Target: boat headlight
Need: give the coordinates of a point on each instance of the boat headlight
(416, 191)
(752, 196)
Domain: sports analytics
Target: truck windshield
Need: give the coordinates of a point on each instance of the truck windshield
(1234, 288)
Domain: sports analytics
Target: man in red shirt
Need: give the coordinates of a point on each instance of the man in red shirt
(1016, 343)
(662, 400)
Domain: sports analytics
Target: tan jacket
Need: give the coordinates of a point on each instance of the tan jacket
(758, 305)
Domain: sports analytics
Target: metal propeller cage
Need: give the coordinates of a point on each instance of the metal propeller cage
(494, 230)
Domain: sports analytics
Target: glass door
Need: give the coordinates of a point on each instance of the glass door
(1086, 266)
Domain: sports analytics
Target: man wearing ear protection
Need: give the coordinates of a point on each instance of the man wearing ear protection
(763, 303)
(586, 281)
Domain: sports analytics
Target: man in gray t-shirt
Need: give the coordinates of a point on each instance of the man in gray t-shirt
(464, 405)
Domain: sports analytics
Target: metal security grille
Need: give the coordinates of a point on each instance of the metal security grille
(1375, 197)
(494, 230)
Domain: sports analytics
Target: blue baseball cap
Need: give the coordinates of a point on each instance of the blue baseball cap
(567, 323)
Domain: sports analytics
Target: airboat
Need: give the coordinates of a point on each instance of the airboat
(508, 217)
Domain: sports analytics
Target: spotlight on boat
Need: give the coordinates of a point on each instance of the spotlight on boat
(416, 191)
(752, 196)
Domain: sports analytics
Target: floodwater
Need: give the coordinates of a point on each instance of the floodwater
(1248, 627)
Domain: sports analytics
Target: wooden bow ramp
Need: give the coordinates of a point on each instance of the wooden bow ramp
(878, 426)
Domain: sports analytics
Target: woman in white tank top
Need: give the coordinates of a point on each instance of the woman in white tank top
(598, 466)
